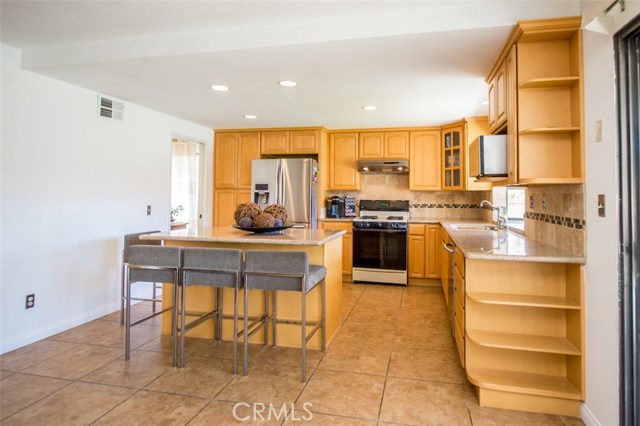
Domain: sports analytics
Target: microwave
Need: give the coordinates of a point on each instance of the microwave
(488, 157)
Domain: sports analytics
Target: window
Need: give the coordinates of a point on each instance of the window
(512, 205)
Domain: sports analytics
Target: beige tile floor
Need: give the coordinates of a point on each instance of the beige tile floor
(393, 362)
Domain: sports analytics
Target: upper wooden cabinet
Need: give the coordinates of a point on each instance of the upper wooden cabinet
(473, 128)
(384, 145)
(233, 153)
(343, 157)
(542, 67)
(453, 158)
(424, 161)
(289, 142)
(232, 156)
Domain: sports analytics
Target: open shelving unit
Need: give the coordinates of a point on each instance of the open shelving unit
(525, 334)
(550, 112)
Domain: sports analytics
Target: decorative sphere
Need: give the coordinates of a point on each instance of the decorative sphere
(263, 220)
(245, 222)
(277, 222)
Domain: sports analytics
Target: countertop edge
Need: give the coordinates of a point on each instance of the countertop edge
(249, 238)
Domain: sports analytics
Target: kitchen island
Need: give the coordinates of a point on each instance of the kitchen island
(324, 247)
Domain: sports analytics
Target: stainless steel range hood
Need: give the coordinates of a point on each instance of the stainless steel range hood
(382, 166)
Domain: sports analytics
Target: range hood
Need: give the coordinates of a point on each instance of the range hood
(382, 166)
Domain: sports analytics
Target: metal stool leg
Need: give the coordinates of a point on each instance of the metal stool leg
(235, 330)
(275, 318)
(246, 328)
(123, 295)
(303, 329)
(127, 326)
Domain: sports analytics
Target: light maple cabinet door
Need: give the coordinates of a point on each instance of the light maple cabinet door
(248, 150)
(225, 160)
(512, 116)
(224, 205)
(493, 115)
(416, 256)
(501, 96)
(432, 251)
(453, 158)
(424, 162)
(242, 196)
(303, 142)
(371, 145)
(396, 145)
(274, 143)
(343, 156)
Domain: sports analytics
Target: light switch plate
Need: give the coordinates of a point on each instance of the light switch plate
(601, 205)
(599, 131)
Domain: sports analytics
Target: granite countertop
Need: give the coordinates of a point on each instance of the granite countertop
(336, 219)
(504, 245)
(227, 234)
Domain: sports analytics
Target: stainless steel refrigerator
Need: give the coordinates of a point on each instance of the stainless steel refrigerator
(292, 182)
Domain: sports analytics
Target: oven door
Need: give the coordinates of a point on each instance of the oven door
(380, 249)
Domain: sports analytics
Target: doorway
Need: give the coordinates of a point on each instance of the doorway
(627, 43)
(187, 179)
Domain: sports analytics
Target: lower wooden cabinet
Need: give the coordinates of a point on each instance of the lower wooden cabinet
(459, 319)
(424, 254)
(225, 202)
(347, 243)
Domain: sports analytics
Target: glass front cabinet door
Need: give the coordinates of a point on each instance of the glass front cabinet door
(453, 161)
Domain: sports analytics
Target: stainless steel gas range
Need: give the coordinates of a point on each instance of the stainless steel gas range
(380, 242)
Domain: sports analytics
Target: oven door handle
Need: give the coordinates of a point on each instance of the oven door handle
(386, 231)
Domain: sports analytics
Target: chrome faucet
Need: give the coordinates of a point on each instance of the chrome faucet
(501, 222)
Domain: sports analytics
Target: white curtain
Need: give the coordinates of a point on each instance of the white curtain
(184, 180)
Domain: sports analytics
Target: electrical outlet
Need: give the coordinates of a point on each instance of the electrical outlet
(148, 210)
(30, 301)
(531, 203)
(544, 202)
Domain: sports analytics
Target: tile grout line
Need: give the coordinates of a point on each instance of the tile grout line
(386, 377)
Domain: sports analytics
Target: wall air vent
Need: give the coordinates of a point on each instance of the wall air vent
(110, 108)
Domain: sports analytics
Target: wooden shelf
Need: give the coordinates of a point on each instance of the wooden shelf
(549, 130)
(524, 300)
(526, 383)
(550, 180)
(523, 342)
(538, 83)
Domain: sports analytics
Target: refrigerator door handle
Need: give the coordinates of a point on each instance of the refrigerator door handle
(281, 183)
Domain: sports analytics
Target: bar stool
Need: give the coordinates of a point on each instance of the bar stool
(210, 267)
(284, 271)
(147, 263)
(129, 240)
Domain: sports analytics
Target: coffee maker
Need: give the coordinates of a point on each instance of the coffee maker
(334, 207)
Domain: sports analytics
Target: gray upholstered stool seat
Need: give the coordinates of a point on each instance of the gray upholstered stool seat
(129, 240)
(150, 263)
(284, 271)
(211, 267)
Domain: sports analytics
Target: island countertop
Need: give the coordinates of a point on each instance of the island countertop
(227, 234)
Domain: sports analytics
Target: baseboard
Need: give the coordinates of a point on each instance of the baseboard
(587, 416)
(60, 326)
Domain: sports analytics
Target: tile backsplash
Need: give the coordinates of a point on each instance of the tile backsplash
(431, 204)
(555, 215)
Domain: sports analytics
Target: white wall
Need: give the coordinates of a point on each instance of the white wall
(72, 185)
(601, 285)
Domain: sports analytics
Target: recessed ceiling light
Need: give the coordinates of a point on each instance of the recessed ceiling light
(287, 83)
(369, 108)
(484, 103)
(219, 88)
(250, 117)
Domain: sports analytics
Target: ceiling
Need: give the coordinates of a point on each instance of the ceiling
(419, 62)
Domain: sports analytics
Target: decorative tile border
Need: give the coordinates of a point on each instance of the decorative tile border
(443, 206)
(556, 220)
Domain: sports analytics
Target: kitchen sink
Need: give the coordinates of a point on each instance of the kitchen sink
(474, 227)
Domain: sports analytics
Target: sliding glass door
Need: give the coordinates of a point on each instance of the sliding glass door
(628, 68)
